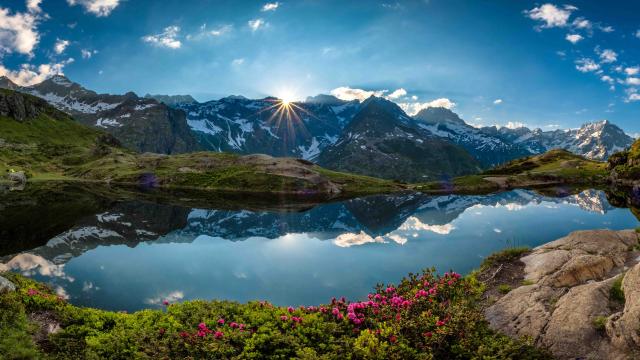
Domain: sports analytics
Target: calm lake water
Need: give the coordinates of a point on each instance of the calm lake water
(125, 254)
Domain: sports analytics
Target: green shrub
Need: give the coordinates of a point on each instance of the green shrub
(616, 293)
(600, 322)
(504, 288)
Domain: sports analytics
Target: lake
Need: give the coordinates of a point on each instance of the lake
(124, 252)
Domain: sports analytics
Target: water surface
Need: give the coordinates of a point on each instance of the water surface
(132, 254)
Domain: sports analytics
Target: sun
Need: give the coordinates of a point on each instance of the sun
(286, 98)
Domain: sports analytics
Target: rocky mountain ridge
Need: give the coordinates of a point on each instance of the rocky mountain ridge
(143, 125)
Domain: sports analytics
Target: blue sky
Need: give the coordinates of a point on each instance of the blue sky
(541, 64)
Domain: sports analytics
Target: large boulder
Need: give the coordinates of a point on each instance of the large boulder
(567, 307)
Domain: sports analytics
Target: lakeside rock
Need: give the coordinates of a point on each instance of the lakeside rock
(6, 285)
(567, 300)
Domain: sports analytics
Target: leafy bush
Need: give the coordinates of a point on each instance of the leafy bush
(616, 293)
(504, 288)
(426, 316)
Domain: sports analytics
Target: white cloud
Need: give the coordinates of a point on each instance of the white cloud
(497, 101)
(18, 32)
(607, 79)
(270, 6)
(30, 74)
(638, 34)
(237, 62)
(515, 125)
(352, 239)
(608, 56)
(256, 24)
(414, 224)
(586, 65)
(634, 70)
(397, 94)
(634, 81)
(573, 38)
(87, 54)
(415, 107)
(581, 23)
(96, 7)
(220, 30)
(60, 46)
(348, 94)
(634, 97)
(551, 15)
(34, 6)
(607, 29)
(168, 38)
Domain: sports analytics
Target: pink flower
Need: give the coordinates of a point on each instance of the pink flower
(284, 318)
(290, 309)
(335, 311)
(218, 334)
(233, 325)
(428, 334)
(165, 302)
(221, 321)
(440, 323)
(32, 292)
(393, 339)
(202, 326)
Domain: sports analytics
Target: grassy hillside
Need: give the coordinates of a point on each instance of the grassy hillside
(555, 167)
(625, 165)
(47, 144)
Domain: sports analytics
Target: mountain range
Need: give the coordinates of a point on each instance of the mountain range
(374, 137)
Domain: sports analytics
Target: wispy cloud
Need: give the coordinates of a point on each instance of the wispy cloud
(497, 101)
(98, 8)
(167, 39)
(607, 56)
(397, 94)
(237, 62)
(412, 108)
(256, 24)
(270, 6)
(87, 54)
(349, 94)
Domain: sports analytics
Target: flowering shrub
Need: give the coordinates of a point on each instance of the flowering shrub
(425, 316)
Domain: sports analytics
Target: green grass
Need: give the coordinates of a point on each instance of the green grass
(599, 323)
(504, 288)
(504, 256)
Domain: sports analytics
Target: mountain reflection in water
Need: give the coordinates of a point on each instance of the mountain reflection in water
(130, 254)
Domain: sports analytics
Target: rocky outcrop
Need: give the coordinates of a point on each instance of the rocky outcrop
(568, 308)
(17, 177)
(22, 107)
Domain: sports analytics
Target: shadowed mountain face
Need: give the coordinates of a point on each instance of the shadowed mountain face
(383, 141)
(143, 125)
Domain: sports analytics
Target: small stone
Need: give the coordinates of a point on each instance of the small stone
(6, 285)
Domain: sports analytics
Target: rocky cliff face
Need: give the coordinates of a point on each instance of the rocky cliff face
(144, 125)
(581, 298)
(22, 107)
(382, 141)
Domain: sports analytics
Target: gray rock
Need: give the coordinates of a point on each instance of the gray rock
(18, 177)
(6, 285)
